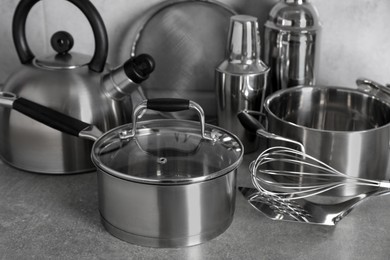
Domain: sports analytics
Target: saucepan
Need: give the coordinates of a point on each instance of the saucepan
(162, 182)
(345, 128)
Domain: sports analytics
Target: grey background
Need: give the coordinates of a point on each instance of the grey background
(354, 41)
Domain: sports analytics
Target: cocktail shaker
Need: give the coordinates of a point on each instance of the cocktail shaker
(241, 79)
(291, 44)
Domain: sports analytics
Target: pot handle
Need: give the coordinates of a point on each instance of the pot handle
(165, 105)
(50, 117)
(251, 124)
(99, 58)
(374, 88)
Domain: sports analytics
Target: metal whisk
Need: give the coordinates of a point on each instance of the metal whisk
(292, 174)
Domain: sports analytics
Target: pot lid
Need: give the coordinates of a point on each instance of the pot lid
(168, 152)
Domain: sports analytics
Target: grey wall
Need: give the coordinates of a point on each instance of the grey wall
(355, 38)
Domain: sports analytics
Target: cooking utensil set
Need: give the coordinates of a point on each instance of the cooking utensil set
(151, 172)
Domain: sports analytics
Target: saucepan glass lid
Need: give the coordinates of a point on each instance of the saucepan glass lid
(168, 151)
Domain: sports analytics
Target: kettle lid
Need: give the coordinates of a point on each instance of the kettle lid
(62, 42)
(63, 61)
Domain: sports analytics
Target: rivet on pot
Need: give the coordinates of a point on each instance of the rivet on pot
(162, 160)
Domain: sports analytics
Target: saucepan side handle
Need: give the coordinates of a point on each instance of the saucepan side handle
(45, 115)
(374, 88)
(251, 124)
(166, 105)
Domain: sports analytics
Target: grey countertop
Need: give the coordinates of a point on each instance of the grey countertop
(56, 217)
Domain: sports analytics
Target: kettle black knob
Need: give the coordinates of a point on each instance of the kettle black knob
(123, 80)
(139, 68)
(62, 42)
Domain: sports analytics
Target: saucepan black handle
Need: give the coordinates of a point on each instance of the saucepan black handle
(45, 115)
(168, 104)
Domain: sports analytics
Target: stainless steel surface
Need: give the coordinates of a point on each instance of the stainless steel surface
(69, 88)
(169, 183)
(293, 174)
(91, 132)
(167, 151)
(241, 79)
(302, 210)
(70, 83)
(6, 99)
(374, 88)
(166, 215)
(187, 38)
(118, 86)
(78, 92)
(275, 207)
(140, 109)
(292, 44)
(62, 62)
(343, 127)
(82, 94)
(165, 186)
(32, 146)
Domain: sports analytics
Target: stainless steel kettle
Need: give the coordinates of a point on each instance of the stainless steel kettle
(71, 83)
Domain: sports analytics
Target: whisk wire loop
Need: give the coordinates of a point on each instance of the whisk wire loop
(292, 174)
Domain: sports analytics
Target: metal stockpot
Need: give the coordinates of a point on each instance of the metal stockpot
(343, 127)
(161, 183)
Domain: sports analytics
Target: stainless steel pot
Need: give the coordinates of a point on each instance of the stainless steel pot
(343, 127)
(161, 183)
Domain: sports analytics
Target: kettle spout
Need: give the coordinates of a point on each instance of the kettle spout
(121, 81)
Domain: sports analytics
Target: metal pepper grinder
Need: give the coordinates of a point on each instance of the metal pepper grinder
(241, 79)
(291, 44)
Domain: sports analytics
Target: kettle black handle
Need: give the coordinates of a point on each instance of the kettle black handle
(99, 58)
